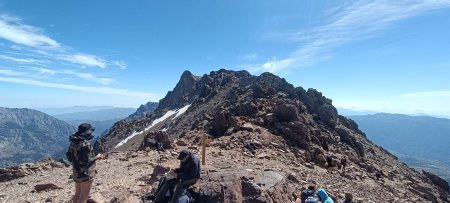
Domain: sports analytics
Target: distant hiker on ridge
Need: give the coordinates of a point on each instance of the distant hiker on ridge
(82, 156)
(348, 198)
(343, 163)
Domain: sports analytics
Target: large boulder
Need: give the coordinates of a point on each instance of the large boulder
(151, 139)
(241, 185)
(285, 111)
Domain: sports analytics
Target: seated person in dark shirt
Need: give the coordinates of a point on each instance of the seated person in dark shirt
(186, 175)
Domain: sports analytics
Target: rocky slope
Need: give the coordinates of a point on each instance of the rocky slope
(230, 175)
(267, 140)
(28, 135)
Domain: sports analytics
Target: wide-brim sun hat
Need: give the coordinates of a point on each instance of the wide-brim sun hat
(85, 129)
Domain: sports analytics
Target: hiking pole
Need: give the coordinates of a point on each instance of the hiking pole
(204, 149)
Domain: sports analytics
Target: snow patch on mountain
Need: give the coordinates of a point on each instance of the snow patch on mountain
(168, 114)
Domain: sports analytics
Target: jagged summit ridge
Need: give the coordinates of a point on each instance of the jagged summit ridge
(235, 108)
(182, 92)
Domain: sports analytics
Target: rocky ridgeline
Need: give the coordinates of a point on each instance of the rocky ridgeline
(149, 107)
(267, 139)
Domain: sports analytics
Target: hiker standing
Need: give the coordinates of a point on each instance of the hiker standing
(325, 145)
(82, 156)
(187, 174)
(323, 196)
(348, 198)
(343, 163)
(378, 175)
(329, 160)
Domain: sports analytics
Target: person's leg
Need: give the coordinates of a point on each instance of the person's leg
(190, 182)
(160, 184)
(180, 188)
(178, 191)
(85, 189)
(76, 197)
(161, 192)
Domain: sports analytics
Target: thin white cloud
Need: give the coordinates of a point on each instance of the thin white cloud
(38, 72)
(427, 94)
(272, 66)
(105, 81)
(99, 90)
(121, 64)
(26, 39)
(360, 20)
(85, 60)
(89, 76)
(248, 57)
(20, 60)
(11, 72)
(12, 29)
(45, 71)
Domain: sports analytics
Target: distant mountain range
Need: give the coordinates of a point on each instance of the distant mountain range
(353, 112)
(97, 115)
(101, 119)
(421, 141)
(72, 109)
(28, 135)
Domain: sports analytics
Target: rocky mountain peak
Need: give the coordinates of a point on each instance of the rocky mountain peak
(259, 118)
(182, 93)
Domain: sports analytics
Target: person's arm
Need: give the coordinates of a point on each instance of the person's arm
(177, 170)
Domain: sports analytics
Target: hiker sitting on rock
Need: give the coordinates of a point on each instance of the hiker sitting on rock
(187, 175)
(82, 156)
(323, 196)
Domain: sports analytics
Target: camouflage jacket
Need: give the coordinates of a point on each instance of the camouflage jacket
(82, 156)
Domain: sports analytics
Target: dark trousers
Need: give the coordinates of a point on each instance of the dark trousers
(167, 185)
(164, 186)
(181, 187)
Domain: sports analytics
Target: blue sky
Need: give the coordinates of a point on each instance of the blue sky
(377, 55)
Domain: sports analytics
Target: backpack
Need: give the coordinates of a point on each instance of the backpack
(311, 199)
(71, 153)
